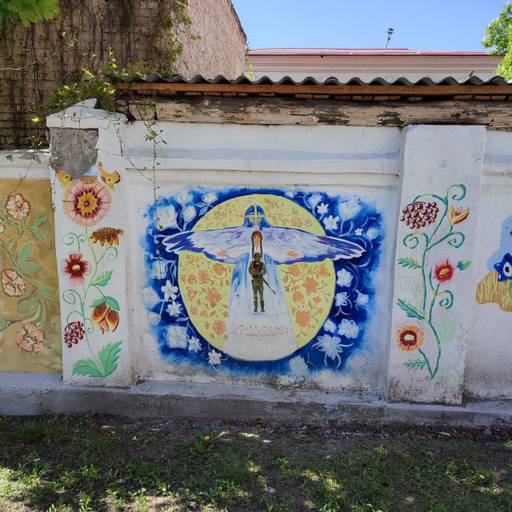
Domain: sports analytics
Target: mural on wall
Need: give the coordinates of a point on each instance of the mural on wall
(88, 270)
(29, 311)
(496, 286)
(260, 280)
(434, 223)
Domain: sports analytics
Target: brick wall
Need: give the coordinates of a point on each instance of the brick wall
(35, 60)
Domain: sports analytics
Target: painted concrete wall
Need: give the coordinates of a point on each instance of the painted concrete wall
(29, 298)
(386, 256)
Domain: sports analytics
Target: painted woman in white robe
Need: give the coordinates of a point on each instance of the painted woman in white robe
(269, 335)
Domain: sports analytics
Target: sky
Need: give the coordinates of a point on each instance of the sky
(419, 24)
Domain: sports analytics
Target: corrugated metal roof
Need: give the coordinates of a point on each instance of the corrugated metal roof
(332, 81)
(364, 51)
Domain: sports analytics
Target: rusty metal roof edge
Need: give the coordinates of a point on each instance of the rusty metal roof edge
(330, 81)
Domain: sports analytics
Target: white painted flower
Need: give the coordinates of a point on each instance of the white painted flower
(169, 290)
(194, 345)
(189, 212)
(174, 309)
(344, 278)
(2, 226)
(331, 346)
(349, 209)
(290, 194)
(183, 197)
(176, 337)
(362, 299)
(322, 208)
(341, 299)
(358, 232)
(166, 217)
(150, 296)
(209, 197)
(159, 270)
(331, 222)
(298, 367)
(330, 326)
(348, 328)
(153, 318)
(214, 358)
(313, 200)
(372, 233)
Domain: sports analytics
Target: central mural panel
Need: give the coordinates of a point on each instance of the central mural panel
(260, 281)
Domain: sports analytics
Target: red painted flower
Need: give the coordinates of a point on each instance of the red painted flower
(76, 267)
(87, 201)
(444, 271)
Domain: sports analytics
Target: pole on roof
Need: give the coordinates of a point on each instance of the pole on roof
(390, 33)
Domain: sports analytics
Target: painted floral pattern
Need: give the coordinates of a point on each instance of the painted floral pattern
(88, 267)
(431, 225)
(28, 300)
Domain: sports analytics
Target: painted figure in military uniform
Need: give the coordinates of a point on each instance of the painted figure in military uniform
(257, 270)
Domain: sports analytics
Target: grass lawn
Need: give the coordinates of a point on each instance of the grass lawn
(102, 463)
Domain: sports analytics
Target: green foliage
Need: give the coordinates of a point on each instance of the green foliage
(416, 363)
(409, 263)
(410, 310)
(28, 11)
(107, 364)
(498, 38)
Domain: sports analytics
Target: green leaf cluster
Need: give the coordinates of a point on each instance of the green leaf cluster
(28, 11)
(104, 366)
(498, 38)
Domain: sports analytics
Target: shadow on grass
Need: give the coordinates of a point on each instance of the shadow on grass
(107, 464)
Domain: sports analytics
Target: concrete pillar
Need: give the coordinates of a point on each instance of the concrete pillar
(89, 189)
(433, 305)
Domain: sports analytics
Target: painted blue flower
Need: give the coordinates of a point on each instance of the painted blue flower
(331, 346)
(313, 200)
(344, 278)
(348, 328)
(331, 222)
(170, 291)
(176, 337)
(330, 326)
(322, 208)
(341, 299)
(504, 268)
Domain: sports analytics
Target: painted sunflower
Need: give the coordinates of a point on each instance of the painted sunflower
(410, 337)
(86, 203)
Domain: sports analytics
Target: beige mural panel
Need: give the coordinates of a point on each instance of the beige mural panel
(29, 308)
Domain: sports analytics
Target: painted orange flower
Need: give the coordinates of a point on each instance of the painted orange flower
(76, 267)
(219, 269)
(213, 296)
(302, 318)
(191, 279)
(17, 206)
(203, 277)
(86, 203)
(457, 216)
(109, 178)
(12, 283)
(444, 271)
(219, 327)
(297, 296)
(323, 272)
(294, 270)
(109, 236)
(410, 337)
(30, 338)
(105, 317)
(311, 285)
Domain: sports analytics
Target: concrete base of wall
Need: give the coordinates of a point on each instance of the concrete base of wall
(21, 394)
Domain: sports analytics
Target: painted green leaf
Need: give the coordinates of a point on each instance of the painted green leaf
(47, 294)
(109, 355)
(416, 363)
(112, 303)
(87, 367)
(27, 305)
(40, 220)
(103, 279)
(4, 323)
(98, 302)
(463, 264)
(410, 310)
(30, 266)
(25, 251)
(409, 263)
(37, 233)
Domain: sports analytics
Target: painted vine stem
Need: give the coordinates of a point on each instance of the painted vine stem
(433, 293)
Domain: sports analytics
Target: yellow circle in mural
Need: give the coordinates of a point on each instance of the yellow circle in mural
(205, 284)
